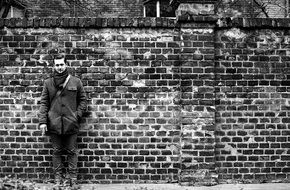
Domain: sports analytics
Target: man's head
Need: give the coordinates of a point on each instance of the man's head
(59, 63)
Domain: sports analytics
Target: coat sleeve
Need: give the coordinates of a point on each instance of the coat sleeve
(44, 105)
(81, 100)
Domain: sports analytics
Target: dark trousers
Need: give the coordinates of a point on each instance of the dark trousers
(65, 145)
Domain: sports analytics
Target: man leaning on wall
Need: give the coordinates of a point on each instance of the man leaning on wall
(62, 104)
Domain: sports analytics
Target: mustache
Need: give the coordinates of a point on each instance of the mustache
(60, 69)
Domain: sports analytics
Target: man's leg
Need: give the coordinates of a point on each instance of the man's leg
(70, 143)
(56, 158)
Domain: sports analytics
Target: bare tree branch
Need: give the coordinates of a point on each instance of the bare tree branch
(249, 8)
(262, 7)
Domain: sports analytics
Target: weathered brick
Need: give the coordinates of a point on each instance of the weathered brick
(134, 90)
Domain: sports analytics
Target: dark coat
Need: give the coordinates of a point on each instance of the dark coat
(64, 115)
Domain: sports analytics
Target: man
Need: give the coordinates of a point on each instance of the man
(62, 104)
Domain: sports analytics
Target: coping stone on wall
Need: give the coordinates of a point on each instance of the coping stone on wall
(82, 22)
(192, 18)
(255, 23)
(142, 22)
(237, 22)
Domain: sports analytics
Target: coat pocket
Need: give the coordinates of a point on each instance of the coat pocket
(72, 88)
(70, 125)
(71, 93)
(55, 122)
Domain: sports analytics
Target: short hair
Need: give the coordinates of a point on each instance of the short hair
(59, 56)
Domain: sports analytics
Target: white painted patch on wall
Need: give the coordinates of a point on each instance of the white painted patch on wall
(139, 83)
(235, 33)
(147, 55)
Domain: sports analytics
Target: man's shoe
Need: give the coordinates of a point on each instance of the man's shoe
(73, 183)
(58, 179)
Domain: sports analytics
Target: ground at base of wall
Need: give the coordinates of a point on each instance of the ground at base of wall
(265, 186)
(175, 186)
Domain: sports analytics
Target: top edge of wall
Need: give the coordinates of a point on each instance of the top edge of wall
(72, 22)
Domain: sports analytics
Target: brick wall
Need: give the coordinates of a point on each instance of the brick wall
(197, 103)
(130, 132)
(252, 91)
(252, 101)
(168, 100)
